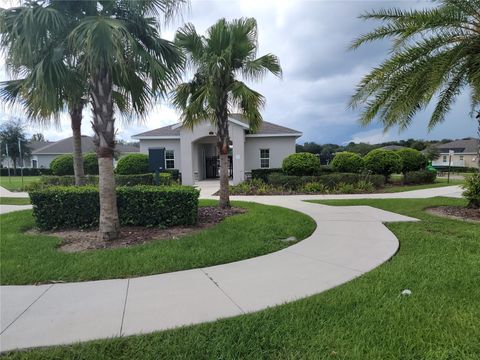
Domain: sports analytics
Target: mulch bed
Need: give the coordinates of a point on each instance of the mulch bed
(81, 240)
(456, 212)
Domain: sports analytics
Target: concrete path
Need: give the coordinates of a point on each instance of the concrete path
(7, 193)
(348, 242)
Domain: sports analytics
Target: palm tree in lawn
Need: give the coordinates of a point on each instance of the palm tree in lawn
(128, 66)
(435, 56)
(46, 79)
(227, 51)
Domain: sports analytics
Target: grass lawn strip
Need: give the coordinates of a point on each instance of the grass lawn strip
(367, 318)
(14, 183)
(14, 201)
(31, 258)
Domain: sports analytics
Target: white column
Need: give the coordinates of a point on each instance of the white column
(238, 140)
(186, 155)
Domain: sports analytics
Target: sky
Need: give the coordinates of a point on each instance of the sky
(311, 39)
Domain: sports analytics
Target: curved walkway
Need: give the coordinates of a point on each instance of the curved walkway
(347, 242)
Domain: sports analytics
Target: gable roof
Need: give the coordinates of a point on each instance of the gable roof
(266, 129)
(469, 145)
(65, 146)
(34, 145)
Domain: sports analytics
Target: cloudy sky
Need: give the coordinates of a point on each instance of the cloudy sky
(311, 38)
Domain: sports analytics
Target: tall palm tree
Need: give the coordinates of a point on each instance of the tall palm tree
(33, 37)
(435, 56)
(227, 51)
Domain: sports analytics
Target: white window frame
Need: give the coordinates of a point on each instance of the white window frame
(444, 158)
(34, 164)
(172, 160)
(461, 157)
(264, 158)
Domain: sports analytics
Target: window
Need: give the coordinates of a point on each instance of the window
(169, 159)
(34, 164)
(264, 158)
(444, 158)
(461, 157)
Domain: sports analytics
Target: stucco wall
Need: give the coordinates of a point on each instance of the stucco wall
(45, 160)
(170, 144)
(280, 148)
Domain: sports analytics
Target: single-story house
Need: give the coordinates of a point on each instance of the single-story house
(42, 156)
(465, 153)
(194, 152)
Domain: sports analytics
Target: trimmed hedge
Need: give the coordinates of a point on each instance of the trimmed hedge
(78, 207)
(120, 180)
(460, 169)
(62, 165)
(420, 177)
(301, 164)
(348, 162)
(133, 180)
(383, 162)
(132, 164)
(90, 164)
(263, 173)
(412, 160)
(287, 181)
(26, 172)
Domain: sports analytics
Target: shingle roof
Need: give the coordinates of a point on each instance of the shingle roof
(267, 128)
(460, 146)
(65, 146)
(34, 145)
(393, 147)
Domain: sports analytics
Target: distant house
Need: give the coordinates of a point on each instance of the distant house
(194, 151)
(42, 156)
(393, 147)
(465, 153)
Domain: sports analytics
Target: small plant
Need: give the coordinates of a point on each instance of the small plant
(344, 188)
(364, 186)
(314, 187)
(348, 162)
(472, 190)
(301, 164)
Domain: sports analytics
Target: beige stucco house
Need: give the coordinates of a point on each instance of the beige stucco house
(194, 152)
(464, 153)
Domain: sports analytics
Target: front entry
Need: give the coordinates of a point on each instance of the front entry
(212, 167)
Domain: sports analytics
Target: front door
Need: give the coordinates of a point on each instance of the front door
(212, 167)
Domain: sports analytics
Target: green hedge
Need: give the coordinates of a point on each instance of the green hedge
(132, 164)
(263, 173)
(412, 160)
(78, 207)
(120, 180)
(383, 162)
(301, 164)
(132, 180)
(348, 162)
(62, 165)
(90, 164)
(26, 172)
(472, 190)
(420, 177)
(460, 169)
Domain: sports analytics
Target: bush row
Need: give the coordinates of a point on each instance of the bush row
(262, 174)
(78, 207)
(63, 164)
(420, 177)
(26, 172)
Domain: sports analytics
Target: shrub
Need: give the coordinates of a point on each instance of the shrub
(364, 186)
(62, 165)
(120, 180)
(301, 164)
(314, 187)
(175, 174)
(78, 207)
(348, 162)
(90, 164)
(420, 177)
(26, 171)
(472, 190)
(285, 181)
(332, 180)
(133, 180)
(164, 178)
(263, 173)
(383, 162)
(412, 160)
(344, 188)
(132, 164)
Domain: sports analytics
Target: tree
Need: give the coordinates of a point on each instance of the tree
(432, 153)
(433, 59)
(11, 133)
(227, 51)
(383, 162)
(38, 137)
(412, 160)
(34, 38)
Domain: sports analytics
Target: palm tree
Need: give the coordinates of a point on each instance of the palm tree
(227, 51)
(33, 37)
(434, 57)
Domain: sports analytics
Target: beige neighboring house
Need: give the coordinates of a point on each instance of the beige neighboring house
(465, 153)
(194, 152)
(42, 156)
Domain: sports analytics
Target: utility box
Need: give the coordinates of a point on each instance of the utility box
(156, 159)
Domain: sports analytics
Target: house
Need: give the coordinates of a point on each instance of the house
(41, 157)
(195, 154)
(465, 153)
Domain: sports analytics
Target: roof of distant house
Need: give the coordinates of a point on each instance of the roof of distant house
(267, 128)
(65, 146)
(393, 147)
(469, 145)
(35, 145)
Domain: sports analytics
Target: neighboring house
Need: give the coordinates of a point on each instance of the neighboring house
(35, 145)
(465, 153)
(43, 156)
(194, 151)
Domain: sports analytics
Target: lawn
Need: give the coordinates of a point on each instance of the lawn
(14, 201)
(14, 183)
(31, 258)
(438, 183)
(367, 318)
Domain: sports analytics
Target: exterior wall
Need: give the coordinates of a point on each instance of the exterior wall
(45, 160)
(280, 147)
(168, 144)
(469, 160)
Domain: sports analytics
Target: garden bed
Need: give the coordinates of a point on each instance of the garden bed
(78, 240)
(456, 212)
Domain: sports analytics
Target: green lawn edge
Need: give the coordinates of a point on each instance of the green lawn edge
(14, 201)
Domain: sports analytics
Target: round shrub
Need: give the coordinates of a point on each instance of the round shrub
(412, 160)
(301, 164)
(133, 164)
(472, 190)
(62, 165)
(90, 164)
(383, 162)
(348, 162)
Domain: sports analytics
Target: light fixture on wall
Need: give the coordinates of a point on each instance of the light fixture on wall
(211, 133)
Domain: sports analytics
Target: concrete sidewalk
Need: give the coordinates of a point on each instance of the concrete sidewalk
(347, 242)
(7, 193)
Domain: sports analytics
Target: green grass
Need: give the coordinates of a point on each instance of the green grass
(438, 183)
(28, 259)
(14, 201)
(14, 183)
(367, 318)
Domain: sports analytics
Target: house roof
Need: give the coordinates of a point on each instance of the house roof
(469, 145)
(393, 147)
(266, 129)
(65, 146)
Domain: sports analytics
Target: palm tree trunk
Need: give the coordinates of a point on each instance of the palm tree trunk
(223, 143)
(76, 120)
(104, 127)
